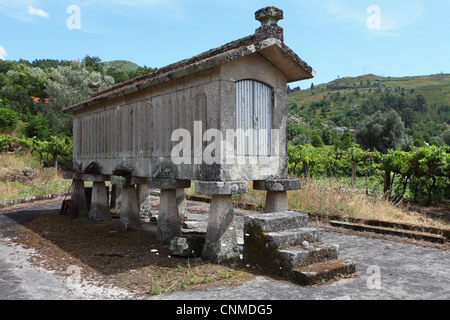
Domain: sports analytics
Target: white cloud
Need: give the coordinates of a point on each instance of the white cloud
(394, 15)
(3, 53)
(37, 12)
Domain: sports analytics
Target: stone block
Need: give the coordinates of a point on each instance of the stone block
(190, 246)
(293, 237)
(303, 256)
(277, 221)
(322, 272)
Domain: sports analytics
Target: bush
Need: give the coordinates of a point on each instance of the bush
(37, 126)
(8, 120)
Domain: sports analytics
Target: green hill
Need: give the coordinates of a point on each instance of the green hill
(422, 102)
(121, 65)
(435, 88)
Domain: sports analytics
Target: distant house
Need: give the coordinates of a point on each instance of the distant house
(41, 100)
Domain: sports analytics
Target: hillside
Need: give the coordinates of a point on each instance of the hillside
(422, 102)
(121, 65)
(435, 88)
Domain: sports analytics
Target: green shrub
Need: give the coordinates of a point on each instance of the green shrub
(8, 119)
(37, 126)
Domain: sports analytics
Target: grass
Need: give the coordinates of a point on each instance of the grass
(329, 197)
(35, 181)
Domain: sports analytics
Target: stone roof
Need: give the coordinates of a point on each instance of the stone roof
(267, 41)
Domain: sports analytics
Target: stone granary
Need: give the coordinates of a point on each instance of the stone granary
(217, 119)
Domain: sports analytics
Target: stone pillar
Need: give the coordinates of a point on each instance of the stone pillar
(116, 191)
(143, 192)
(182, 205)
(221, 238)
(276, 197)
(99, 203)
(169, 222)
(79, 197)
(130, 218)
(99, 208)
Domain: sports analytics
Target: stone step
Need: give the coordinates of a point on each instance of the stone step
(322, 272)
(296, 257)
(278, 221)
(293, 237)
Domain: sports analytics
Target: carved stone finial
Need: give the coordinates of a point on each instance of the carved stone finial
(269, 18)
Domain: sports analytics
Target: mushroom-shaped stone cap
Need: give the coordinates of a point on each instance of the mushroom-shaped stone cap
(269, 16)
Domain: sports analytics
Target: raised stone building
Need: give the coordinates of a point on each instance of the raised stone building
(217, 119)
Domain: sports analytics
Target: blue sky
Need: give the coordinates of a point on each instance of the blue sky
(338, 38)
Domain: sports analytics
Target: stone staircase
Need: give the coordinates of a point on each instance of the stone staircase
(282, 244)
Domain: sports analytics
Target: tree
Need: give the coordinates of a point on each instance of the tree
(382, 131)
(93, 64)
(67, 86)
(446, 137)
(20, 84)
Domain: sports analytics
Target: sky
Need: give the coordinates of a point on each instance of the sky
(337, 38)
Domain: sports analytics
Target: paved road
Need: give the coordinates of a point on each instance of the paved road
(387, 270)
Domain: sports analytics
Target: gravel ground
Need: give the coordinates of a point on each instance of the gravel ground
(387, 268)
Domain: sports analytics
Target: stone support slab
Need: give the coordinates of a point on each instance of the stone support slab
(277, 185)
(99, 203)
(129, 213)
(220, 187)
(169, 223)
(221, 240)
(169, 184)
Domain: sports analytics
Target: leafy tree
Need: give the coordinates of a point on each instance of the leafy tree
(67, 86)
(20, 84)
(93, 64)
(382, 131)
(8, 120)
(446, 137)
